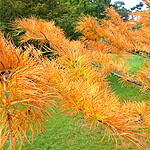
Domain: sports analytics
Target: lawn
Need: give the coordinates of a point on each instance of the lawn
(64, 133)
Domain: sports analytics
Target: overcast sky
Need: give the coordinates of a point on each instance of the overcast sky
(128, 3)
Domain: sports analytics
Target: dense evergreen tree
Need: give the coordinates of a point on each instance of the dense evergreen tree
(45, 9)
(64, 12)
(138, 7)
(92, 7)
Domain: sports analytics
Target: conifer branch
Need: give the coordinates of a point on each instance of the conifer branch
(44, 36)
(138, 53)
(130, 80)
(7, 112)
(120, 76)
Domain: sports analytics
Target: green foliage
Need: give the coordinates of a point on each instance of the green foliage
(138, 7)
(124, 12)
(91, 7)
(64, 13)
(44, 9)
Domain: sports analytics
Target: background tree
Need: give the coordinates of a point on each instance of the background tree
(121, 10)
(91, 7)
(58, 10)
(138, 7)
(64, 13)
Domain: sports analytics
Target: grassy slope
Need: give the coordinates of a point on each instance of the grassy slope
(65, 134)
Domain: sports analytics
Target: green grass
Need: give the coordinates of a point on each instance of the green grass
(127, 92)
(135, 62)
(65, 134)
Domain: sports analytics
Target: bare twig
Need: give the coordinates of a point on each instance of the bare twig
(136, 53)
(120, 76)
(7, 112)
(43, 35)
(130, 80)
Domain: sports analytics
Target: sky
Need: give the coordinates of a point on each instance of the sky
(128, 3)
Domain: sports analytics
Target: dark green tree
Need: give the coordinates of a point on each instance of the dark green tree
(91, 7)
(64, 12)
(120, 8)
(45, 9)
(138, 7)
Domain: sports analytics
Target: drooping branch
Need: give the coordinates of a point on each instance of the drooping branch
(130, 80)
(120, 76)
(138, 52)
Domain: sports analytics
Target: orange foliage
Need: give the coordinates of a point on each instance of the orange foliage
(147, 2)
(84, 89)
(42, 31)
(24, 99)
(143, 77)
(9, 55)
(114, 35)
(35, 83)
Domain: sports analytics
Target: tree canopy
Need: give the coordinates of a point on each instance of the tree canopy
(64, 13)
